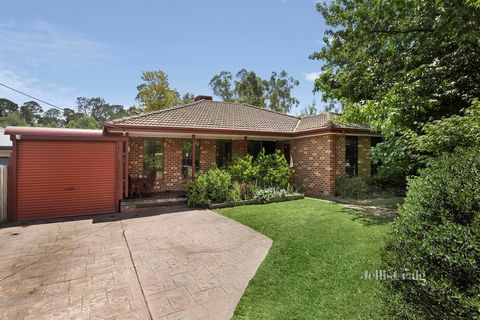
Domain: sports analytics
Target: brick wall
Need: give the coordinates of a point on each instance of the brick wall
(172, 165)
(364, 162)
(239, 148)
(313, 165)
(340, 156)
(208, 154)
(135, 156)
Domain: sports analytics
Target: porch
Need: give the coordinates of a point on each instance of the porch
(167, 164)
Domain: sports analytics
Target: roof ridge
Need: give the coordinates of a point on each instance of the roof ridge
(265, 109)
(143, 114)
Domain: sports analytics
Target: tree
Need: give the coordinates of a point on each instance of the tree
(437, 234)
(309, 110)
(70, 114)
(6, 107)
(221, 85)
(13, 119)
(279, 92)
(31, 112)
(51, 118)
(88, 105)
(399, 65)
(107, 112)
(274, 94)
(85, 122)
(250, 89)
(155, 93)
(187, 98)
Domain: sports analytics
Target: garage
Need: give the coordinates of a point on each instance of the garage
(64, 172)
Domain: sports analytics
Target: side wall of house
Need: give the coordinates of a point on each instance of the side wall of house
(313, 165)
(208, 154)
(239, 148)
(364, 161)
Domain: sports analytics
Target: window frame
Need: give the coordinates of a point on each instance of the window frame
(351, 145)
(226, 157)
(158, 143)
(186, 164)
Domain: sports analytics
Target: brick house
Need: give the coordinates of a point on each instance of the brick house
(209, 133)
(67, 172)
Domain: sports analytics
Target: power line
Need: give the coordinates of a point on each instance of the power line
(42, 101)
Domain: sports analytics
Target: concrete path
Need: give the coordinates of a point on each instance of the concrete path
(193, 264)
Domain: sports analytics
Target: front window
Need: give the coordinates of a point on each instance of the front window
(187, 158)
(224, 153)
(351, 156)
(153, 157)
(255, 147)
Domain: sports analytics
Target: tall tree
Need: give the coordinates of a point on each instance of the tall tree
(279, 92)
(85, 122)
(155, 92)
(250, 88)
(6, 107)
(309, 110)
(187, 98)
(88, 105)
(51, 118)
(13, 119)
(399, 65)
(221, 85)
(70, 114)
(31, 111)
(247, 87)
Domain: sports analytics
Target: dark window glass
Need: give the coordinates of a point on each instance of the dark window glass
(187, 157)
(224, 153)
(374, 167)
(286, 152)
(351, 156)
(153, 157)
(254, 147)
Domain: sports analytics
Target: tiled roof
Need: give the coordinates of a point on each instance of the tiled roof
(5, 141)
(207, 114)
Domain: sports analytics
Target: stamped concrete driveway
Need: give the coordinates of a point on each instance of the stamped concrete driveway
(193, 264)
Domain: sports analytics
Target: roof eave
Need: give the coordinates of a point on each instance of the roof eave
(141, 128)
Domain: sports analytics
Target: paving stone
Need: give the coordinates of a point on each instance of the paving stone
(182, 265)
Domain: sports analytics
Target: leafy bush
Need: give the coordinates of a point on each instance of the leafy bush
(267, 171)
(354, 187)
(438, 232)
(273, 171)
(243, 169)
(213, 186)
(265, 195)
(235, 192)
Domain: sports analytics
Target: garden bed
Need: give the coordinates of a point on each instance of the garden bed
(255, 201)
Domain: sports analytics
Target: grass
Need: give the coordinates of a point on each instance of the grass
(383, 202)
(314, 269)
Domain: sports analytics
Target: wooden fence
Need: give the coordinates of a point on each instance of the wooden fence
(3, 193)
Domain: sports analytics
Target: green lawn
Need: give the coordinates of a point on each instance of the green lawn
(314, 269)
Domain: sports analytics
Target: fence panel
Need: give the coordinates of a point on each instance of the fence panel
(3, 193)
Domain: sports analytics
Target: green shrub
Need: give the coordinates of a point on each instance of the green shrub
(355, 187)
(213, 186)
(265, 195)
(235, 192)
(273, 171)
(243, 169)
(438, 232)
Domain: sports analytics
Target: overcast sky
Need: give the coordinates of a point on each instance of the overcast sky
(58, 50)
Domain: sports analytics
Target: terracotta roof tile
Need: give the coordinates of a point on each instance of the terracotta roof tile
(207, 114)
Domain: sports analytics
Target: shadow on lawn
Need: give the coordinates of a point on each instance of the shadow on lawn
(369, 218)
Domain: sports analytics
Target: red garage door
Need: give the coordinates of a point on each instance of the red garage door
(65, 178)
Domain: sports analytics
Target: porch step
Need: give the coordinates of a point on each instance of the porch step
(132, 204)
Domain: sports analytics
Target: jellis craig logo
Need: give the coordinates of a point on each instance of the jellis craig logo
(405, 275)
